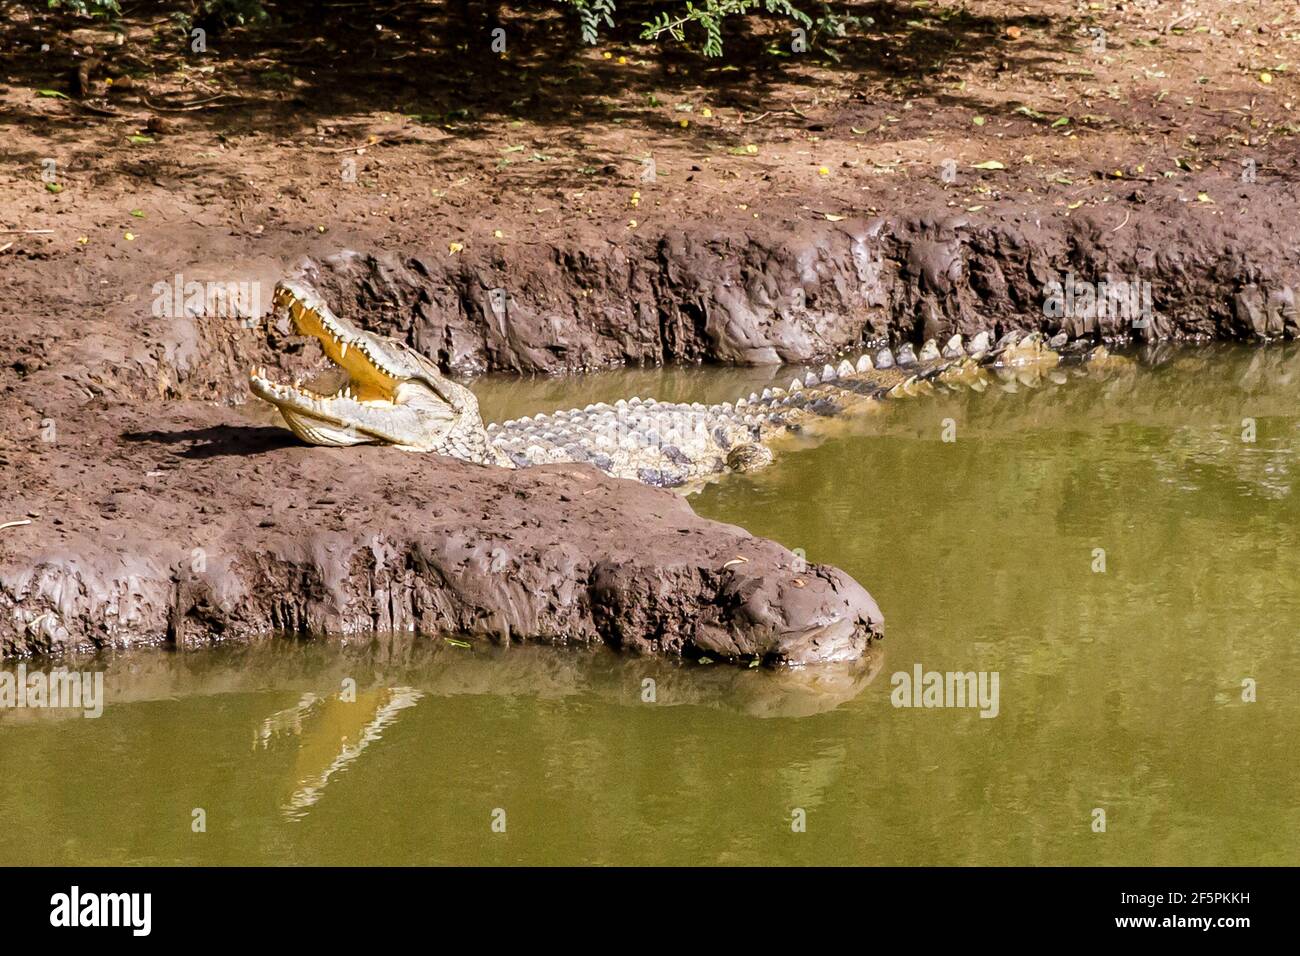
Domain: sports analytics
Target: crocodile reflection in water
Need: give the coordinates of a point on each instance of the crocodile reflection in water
(332, 732)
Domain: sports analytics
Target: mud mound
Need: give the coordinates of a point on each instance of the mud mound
(182, 528)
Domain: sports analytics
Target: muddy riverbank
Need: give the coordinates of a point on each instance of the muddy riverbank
(183, 527)
(566, 210)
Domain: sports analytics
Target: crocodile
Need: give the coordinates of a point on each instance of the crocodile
(394, 395)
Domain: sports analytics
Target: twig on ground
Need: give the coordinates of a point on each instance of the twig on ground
(211, 103)
(364, 144)
(15, 524)
(98, 110)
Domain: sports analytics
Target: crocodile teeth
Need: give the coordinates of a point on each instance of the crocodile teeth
(864, 363)
(753, 396)
(796, 385)
(1058, 341)
(844, 368)
(929, 351)
(828, 373)
(811, 379)
(741, 402)
(884, 359)
(906, 354)
(767, 394)
(954, 348)
(1009, 340)
(979, 345)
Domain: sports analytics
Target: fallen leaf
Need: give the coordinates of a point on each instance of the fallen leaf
(54, 93)
(138, 213)
(53, 188)
(129, 236)
(455, 247)
(977, 120)
(1204, 197)
(989, 164)
(831, 217)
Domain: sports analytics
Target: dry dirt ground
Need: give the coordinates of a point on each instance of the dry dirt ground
(558, 207)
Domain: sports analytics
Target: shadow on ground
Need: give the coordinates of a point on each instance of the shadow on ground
(320, 63)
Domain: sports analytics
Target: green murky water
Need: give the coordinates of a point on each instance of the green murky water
(1119, 689)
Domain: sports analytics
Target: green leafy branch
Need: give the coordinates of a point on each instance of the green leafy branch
(709, 16)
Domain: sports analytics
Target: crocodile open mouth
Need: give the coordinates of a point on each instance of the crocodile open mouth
(382, 399)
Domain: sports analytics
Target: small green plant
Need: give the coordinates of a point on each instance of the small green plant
(591, 14)
(228, 12)
(708, 17)
(696, 22)
(92, 8)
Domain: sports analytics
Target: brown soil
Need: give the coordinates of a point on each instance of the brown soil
(501, 218)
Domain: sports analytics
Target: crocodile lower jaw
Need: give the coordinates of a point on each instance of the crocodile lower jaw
(337, 420)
